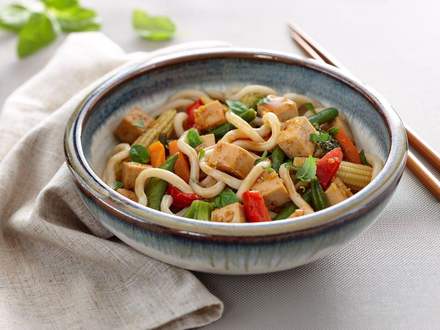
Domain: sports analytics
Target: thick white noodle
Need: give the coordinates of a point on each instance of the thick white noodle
(252, 176)
(220, 176)
(170, 177)
(190, 152)
(293, 194)
(175, 104)
(179, 119)
(253, 89)
(300, 99)
(375, 162)
(166, 203)
(192, 94)
(236, 134)
(215, 94)
(119, 153)
(243, 126)
(275, 126)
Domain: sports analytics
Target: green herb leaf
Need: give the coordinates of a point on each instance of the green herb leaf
(319, 137)
(226, 197)
(38, 32)
(13, 17)
(139, 154)
(308, 171)
(153, 28)
(364, 158)
(60, 4)
(308, 107)
(201, 153)
(333, 131)
(75, 19)
(199, 210)
(237, 107)
(118, 185)
(193, 138)
(262, 158)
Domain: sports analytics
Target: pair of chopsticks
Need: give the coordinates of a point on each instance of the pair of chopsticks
(427, 178)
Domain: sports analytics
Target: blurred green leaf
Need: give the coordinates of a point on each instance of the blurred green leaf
(60, 4)
(39, 31)
(77, 19)
(153, 28)
(13, 17)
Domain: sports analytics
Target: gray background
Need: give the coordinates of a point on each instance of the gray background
(389, 277)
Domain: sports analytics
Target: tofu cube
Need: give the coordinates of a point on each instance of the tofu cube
(272, 188)
(207, 141)
(133, 125)
(337, 192)
(229, 213)
(283, 107)
(128, 193)
(231, 159)
(130, 171)
(209, 115)
(294, 138)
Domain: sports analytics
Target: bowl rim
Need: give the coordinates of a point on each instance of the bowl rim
(123, 208)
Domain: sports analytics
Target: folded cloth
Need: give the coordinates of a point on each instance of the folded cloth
(58, 267)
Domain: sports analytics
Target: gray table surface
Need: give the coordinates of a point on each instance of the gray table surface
(389, 276)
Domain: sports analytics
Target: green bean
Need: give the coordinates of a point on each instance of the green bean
(308, 196)
(221, 130)
(324, 116)
(155, 188)
(277, 157)
(286, 211)
(193, 138)
(199, 210)
(319, 198)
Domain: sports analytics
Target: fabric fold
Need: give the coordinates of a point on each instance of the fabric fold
(59, 267)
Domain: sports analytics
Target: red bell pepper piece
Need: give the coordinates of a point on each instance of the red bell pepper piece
(327, 166)
(254, 207)
(190, 111)
(181, 199)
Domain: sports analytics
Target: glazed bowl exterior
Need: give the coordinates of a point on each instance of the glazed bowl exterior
(247, 248)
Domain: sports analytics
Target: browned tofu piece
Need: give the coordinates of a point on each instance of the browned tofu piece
(337, 192)
(294, 138)
(130, 171)
(229, 213)
(133, 125)
(232, 159)
(283, 107)
(209, 115)
(128, 193)
(272, 188)
(207, 141)
(297, 213)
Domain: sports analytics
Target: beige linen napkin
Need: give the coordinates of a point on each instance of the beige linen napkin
(58, 267)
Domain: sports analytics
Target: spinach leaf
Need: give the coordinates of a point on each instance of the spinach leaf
(153, 28)
(138, 153)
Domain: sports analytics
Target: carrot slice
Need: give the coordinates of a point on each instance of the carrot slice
(157, 153)
(350, 152)
(181, 168)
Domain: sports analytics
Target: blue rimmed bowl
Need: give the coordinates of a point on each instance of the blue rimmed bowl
(247, 248)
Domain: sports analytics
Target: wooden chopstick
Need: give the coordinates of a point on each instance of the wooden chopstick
(315, 51)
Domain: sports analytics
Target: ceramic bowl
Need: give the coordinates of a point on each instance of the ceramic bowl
(247, 248)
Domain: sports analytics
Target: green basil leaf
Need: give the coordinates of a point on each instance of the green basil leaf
(60, 4)
(13, 17)
(237, 107)
(333, 131)
(138, 153)
(320, 137)
(117, 185)
(308, 171)
(226, 197)
(38, 32)
(153, 28)
(76, 19)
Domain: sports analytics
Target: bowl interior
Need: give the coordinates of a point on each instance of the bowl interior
(151, 89)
